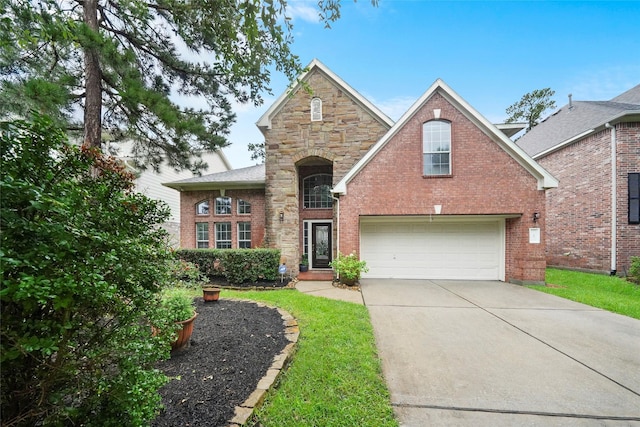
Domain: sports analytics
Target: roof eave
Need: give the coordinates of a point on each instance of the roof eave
(204, 186)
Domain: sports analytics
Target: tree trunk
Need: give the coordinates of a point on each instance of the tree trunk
(93, 82)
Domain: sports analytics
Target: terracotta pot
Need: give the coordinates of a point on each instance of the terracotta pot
(184, 334)
(210, 294)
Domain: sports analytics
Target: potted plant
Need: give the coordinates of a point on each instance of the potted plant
(348, 268)
(210, 293)
(178, 307)
(304, 263)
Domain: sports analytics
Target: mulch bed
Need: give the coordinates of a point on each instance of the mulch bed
(233, 345)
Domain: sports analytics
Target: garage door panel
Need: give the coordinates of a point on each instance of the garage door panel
(433, 250)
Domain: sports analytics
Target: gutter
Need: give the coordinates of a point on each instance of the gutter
(614, 199)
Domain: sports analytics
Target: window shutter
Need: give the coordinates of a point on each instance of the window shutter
(634, 198)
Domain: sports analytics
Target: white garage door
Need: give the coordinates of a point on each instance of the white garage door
(419, 249)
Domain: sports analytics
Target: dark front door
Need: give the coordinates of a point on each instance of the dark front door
(320, 245)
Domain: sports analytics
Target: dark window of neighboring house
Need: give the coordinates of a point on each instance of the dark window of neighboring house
(436, 148)
(223, 235)
(202, 208)
(317, 192)
(244, 235)
(223, 206)
(244, 207)
(634, 198)
(202, 235)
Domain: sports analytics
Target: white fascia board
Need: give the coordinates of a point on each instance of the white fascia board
(265, 120)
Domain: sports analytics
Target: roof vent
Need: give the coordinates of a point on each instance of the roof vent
(570, 102)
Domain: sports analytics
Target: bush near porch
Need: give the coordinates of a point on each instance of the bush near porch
(237, 266)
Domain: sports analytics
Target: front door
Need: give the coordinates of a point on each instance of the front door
(320, 244)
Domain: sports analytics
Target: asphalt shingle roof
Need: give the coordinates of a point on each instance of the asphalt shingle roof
(248, 175)
(583, 116)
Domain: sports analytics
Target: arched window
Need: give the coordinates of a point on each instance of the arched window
(436, 147)
(202, 207)
(316, 110)
(316, 191)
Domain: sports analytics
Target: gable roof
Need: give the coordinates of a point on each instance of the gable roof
(316, 66)
(579, 119)
(545, 179)
(249, 177)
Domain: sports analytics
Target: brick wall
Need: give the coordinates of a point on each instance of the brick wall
(189, 199)
(485, 180)
(579, 210)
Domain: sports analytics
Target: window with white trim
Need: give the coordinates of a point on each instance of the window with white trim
(634, 198)
(223, 205)
(244, 235)
(223, 235)
(244, 207)
(316, 192)
(436, 148)
(202, 208)
(316, 110)
(202, 235)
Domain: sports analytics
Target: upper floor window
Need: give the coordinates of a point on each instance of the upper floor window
(317, 192)
(634, 198)
(436, 148)
(316, 110)
(202, 208)
(223, 206)
(244, 207)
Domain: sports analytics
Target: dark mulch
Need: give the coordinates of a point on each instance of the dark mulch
(286, 282)
(233, 345)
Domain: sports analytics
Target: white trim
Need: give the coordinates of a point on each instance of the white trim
(545, 179)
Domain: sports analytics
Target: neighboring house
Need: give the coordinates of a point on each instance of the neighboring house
(149, 182)
(593, 148)
(441, 194)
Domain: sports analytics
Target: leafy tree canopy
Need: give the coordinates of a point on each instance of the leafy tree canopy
(531, 107)
(124, 63)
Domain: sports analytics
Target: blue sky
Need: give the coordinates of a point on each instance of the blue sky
(490, 53)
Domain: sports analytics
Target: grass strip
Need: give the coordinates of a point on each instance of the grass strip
(335, 377)
(609, 293)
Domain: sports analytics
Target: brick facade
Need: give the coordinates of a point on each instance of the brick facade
(579, 236)
(485, 180)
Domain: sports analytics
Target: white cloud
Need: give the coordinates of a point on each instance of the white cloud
(304, 10)
(393, 107)
(604, 84)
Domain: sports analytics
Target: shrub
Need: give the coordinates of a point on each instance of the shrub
(634, 270)
(177, 304)
(82, 264)
(349, 266)
(235, 265)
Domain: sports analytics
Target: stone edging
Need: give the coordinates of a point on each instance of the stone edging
(255, 399)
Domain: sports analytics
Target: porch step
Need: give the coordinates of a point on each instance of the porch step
(313, 275)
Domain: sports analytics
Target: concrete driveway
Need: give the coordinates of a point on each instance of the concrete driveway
(494, 354)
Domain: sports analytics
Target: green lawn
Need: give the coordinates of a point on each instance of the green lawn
(335, 376)
(609, 293)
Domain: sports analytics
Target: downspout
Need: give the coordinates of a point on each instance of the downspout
(614, 201)
(337, 224)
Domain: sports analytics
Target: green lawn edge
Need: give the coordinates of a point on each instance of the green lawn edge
(609, 293)
(335, 375)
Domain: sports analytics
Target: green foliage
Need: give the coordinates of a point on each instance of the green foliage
(607, 292)
(177, 304)
(304, 259)
(634, 269)
(186, 275)
(147, 55)
(349, 266)
(82, 265)
(235, 265)
(335, 378)
(531, 107)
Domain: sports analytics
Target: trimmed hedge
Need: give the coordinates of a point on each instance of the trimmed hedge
(237, 266)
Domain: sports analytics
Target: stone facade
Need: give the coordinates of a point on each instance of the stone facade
(339, 140)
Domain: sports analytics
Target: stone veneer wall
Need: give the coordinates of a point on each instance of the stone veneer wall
(345, 134)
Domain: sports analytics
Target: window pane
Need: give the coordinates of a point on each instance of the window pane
(223, 235)
(436, 148)
(202, 235)
(202, 208)
(244, 235)
(244, 207)
(223, 206)
(317, 192)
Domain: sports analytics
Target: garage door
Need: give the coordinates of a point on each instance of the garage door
(420, 249)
